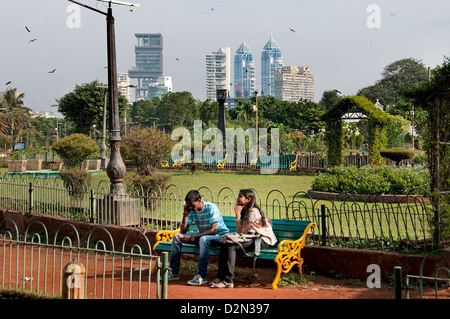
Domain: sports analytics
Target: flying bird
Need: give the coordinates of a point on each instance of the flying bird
(292, 30)
(8, 82)
(27, 29)
(176, 59)
(212, 9)
(32, 40)
(52, 71)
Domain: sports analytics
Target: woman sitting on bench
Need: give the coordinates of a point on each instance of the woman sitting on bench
(249, 219)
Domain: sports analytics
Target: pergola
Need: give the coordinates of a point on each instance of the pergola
(355, 108)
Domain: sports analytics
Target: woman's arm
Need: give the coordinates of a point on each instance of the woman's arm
(240, 228)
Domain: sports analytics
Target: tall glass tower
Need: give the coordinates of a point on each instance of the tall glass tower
(244, 72)
(271, 60)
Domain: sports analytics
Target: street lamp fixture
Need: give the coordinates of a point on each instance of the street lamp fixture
(116, 168)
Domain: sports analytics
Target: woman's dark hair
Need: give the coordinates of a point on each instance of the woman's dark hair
(249, 194)
(192, 196)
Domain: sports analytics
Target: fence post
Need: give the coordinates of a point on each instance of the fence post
(324, 226)
(437, 233)
(92, 205)
(30, 198)
(398, 282)
(165, 271)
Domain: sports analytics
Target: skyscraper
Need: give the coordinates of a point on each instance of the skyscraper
(149, 62)
(244, 72)
(123, 82)
(294, 83)
(218, 72)
(271, 60)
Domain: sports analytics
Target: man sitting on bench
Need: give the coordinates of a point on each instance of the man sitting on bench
(209, 222)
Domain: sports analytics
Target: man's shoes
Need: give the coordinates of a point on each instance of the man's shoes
(197, 281)
(171, 276)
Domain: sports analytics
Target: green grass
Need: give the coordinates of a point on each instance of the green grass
(263, 184)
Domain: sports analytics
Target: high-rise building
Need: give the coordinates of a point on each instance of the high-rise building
(218, 72)
(149, 62)
(244, 72)
(294, 83)
(123, 83)
(271, 60)
(161, 87)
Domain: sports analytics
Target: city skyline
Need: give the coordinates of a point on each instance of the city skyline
(345, 43)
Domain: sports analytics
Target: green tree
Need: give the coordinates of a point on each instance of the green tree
(17, 115)
(396, 77)
(84, 106)
(178, 109)
(329, 99)
(145, 112)
(209, 113)
(426, 96)
(12, 99)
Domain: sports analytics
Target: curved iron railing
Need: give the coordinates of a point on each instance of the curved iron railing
(33, 262)
(349, 221)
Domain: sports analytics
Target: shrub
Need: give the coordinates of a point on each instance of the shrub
(419, 159)
(149, 182)
(75, 149)
(146, 147)
(76, 181)
(366, 180)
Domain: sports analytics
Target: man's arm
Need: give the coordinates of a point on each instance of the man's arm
(184, 227)
(211, 231)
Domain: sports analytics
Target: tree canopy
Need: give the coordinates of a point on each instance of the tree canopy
(396, 77)
(84, 106)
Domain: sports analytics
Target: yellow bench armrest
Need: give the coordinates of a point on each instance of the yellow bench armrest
(221, 163)
(289, 255)
(165, 235)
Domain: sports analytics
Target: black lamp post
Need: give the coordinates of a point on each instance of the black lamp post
(116, 168)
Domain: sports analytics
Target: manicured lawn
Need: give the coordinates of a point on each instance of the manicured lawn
(288, 184)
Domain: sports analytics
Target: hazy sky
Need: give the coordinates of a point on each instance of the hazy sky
(346, 43)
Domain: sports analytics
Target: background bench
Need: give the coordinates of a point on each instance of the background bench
(291, 235)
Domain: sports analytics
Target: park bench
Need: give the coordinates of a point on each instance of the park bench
(291, 235)
(176, 163)
(285, 162)
(221, 163)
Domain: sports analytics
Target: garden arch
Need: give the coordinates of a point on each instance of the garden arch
(355, 107)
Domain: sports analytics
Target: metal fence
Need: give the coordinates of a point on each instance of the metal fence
(348, 222)
(37, 262)
(441, 275)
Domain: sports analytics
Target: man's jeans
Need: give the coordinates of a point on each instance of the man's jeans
(204, 243)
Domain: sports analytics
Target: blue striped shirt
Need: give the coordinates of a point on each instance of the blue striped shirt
(203, 220)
